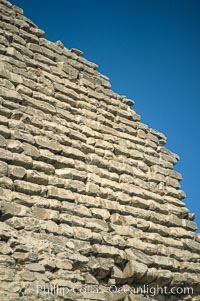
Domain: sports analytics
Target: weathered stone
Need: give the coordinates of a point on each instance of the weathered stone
(49, 144)
(81, 233)
(4, 131)
(134, 270)
(6, 183)
(3, 169)
(14, 209)
(15, 146)
(100, 213)
(36, 177)
(16, 172)
(35, 267)
(5, 155)
(68, 173)
(30, 150)
(3, 142)
(43, 167)
(10, 94)
(61, 194)
(22, 160)
(44, 214)
(22, 136)
(23, 89)
(27, 276)
(28, 188)
(66, 230)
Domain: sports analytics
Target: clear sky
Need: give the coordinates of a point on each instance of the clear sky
(150, 49)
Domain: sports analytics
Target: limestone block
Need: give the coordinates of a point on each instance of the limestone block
(165, 262)
(14, 146)
(16, 172)
(3, 169)
(69, 173)
(190, 225)
(139, 256)
(173, 220)
(126, 178)
(22, 160)
(36, 177)
(43, 167)
(4, 131)
(134, 270)
(75, 134)
(178, 232)
(108, 251)
(82, 233)
(63, 264)
(35, 267)
(55, 127)
(65, 92)
(15, 124)
(27, 188)
(96, 224)
(191, 245)
(46, 156)
(27, 276)
(92, 177)
(37, 104)
(7, 274)
(50, 226)
(3, 142)
(149, 248)
(5, 249)
(72, 72)
(66, 230)
(171, 191)
(30, 150)
(73, 153)
(24, 90)
(43, 59)
(22, 136)
(14, 209)
(10, 94)
(181, 212)
(55, 181)
(61, 113)
(174, 201)
(92, 189)
(5, 231)
(189, 267)
(44, 142)
(60, 194)
(100, 213)
(4, 70)
(72, 220)
(45, 214)
(6, 183)
(100, 263)
(108, 183)
(11, 51)
(109, 175)
(7, 261)
(117, 272)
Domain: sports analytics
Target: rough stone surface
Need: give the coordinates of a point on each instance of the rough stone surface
(88, 194)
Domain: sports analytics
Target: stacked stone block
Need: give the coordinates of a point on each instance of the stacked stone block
(88, 194)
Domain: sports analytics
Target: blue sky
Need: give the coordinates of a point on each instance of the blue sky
(150, 49)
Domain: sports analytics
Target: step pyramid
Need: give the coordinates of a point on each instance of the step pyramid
(91, 206)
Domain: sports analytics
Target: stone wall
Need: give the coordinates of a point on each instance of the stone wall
(88, 193)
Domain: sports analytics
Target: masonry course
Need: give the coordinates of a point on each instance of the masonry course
(88, 193)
